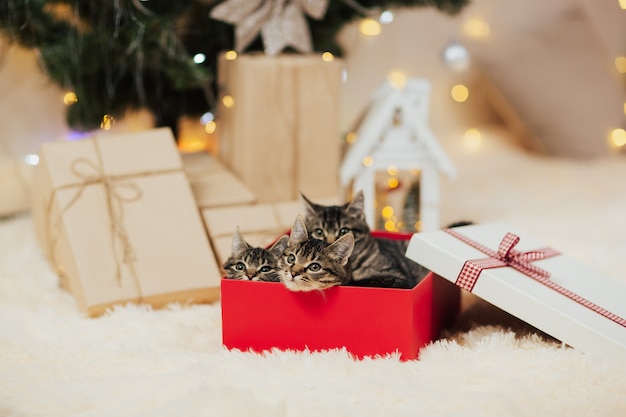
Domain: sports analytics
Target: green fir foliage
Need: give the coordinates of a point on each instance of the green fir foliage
(119, 55)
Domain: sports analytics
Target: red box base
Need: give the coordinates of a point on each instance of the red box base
(260, 316)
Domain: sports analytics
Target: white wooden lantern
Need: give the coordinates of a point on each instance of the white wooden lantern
(394, 140)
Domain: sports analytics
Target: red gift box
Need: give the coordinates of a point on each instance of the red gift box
(260, 316)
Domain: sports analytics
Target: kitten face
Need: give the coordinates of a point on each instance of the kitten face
(329, 223)
(252, 263)
(309, 264)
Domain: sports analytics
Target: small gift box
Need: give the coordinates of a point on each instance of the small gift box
(117, 219)
(259, 224)
(261, 316)
(535, 283)
(212, 184)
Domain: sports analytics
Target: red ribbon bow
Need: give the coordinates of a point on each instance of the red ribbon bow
(506, 255)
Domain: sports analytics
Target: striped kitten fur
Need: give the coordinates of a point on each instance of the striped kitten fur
(252, 263)
(309, 264)
(375, 262)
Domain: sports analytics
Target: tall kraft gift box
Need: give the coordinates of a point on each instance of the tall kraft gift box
(278, 123)
(117, 220)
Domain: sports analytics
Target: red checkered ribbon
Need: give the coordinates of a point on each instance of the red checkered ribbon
(521, 261)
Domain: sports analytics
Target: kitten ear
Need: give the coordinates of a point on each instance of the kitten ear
(309, 207)
(356, 207)
(341, 249)
(238, 245)
(279, 246)
(298, 232)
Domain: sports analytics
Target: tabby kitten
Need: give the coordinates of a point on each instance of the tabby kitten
(375, 262)
(309, 264)
(253, 263)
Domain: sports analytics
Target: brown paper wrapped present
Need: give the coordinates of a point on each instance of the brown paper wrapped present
(118, 222)
(279, 124)
(259, 224)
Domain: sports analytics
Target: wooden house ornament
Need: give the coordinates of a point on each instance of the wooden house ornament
(394, 141)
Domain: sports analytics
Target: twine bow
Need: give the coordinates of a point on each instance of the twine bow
(282, 23)
(118, 189)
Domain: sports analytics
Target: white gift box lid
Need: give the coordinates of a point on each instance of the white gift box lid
(572, 302)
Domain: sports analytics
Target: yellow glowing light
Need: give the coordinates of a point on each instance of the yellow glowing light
(210, 127)
(228, 101)
(397, 79)
(387, 212)
(620, 64)
(192, 145)
(368, 161)
(472, 139)
(393, 182)
(351, 137)
(392, 170)
(390, 226)
(476, 28)
(328, 57)
(459, 93)
(369, 27)
(418, 225)
(70, 98)
(618, 137)
(622, 4)
(230, 55)
(107, 122)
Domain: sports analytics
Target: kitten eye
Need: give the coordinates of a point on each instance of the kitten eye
(318, 232)
(265, 269)
(314, 267)
(240, 266)
(291, 258)
(343, 231)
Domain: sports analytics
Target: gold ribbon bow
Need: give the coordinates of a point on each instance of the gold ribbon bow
(282, 23)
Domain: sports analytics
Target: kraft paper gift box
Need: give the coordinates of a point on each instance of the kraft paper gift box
(367, 322)
(212, 184)
(118, 222)
(545, 288)
(259, 224)
(278, 124)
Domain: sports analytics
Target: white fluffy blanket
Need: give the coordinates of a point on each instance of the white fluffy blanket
(138, 362)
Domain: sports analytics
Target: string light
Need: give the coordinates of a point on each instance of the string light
(31, 159)
(228, 101)
(351, 137)
(210, 127)
(476, 28)
(386, 17)
(199, 58)
(107, 122)
(230, 55)
(620, 64)
(369, 27)
(397, 79)
(618, 138)
(387, 212)
(472, 140)
(368, 161)
(328, 57)
(390, 226)
(70, 98)
(392, 170)
(206, 118)
(622, 4)
(459, 93)
(393, 182)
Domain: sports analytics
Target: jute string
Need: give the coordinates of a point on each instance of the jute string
(118, 190)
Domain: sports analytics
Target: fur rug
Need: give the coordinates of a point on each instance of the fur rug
(135, 361)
